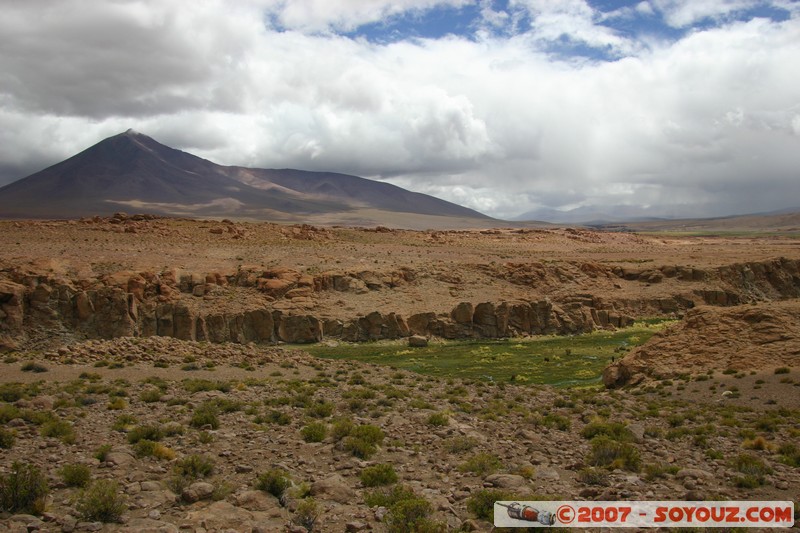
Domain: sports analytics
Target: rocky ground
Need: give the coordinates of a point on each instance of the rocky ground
(743, 338)
(146, 352)
(222, 281)
(446, 440)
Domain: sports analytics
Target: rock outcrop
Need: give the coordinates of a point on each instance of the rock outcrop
(746, 337)
(278, 304)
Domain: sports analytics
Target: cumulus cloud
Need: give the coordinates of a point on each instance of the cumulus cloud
(123, 58)
(572, 20)
(343, 15)
(490, 120)
(684, 13)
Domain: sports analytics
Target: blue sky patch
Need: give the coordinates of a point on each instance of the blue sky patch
(619, 16)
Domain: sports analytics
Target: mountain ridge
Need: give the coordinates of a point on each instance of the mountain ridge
(134, 170)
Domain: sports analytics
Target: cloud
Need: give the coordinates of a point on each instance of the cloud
(490, 120)
(571, 20)
(343, 15)
(123, 58)
(684, 13)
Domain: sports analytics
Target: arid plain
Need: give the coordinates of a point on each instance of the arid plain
(185, 336)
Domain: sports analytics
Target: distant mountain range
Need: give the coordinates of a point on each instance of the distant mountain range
(655, 216)
(133, 172)
(594, 215)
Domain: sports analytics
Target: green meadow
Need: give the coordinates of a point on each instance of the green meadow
(562, 361)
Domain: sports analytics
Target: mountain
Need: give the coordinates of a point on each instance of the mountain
(776, 222)
(593, 215)
(668, 218)
(133, 172)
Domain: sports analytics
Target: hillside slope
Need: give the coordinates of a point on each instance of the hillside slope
(133, 172)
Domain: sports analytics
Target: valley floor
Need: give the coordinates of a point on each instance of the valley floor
(145, 359)
(247, 410)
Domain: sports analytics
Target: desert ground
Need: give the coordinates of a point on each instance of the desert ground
(153, 373)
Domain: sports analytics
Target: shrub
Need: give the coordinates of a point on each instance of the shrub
(226, 405)
(320, 409)
(782, 370)
(314, 432)
(481, 464)
(438, 419)
(407, 516)
(714, 454)
(75, 475)
(11, 392)
(274, 481)
(8, 412)
(194, 467)
(658, 470)
(753, 469)
(387, 497)
(481, 503)
(306, 514)
(147, 432)
(205, 416)
(526, 471)
(6, 438)
(790, 454)
(200, 385)
(172, 429)
(117, 404)
(101, 502)
(341, 429)
(23, 490)
(40, 418)
(359, 448)
(593, 476)
(360, 394)
(362, 440)
(101, 454)
(378, 475)
(460, 444)
(613, 430)
(32, 366)
(613, 454)
(60, 429)
(149, 448)
(559, 422)
(274, 417)
(124, 422)
(221, 491)
(150, 395)
(768, 423)
(747, 482)
(758, 443)
(356, 404)
(419, 403)
(368, 433)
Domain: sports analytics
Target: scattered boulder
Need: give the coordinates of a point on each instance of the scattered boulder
(333, 488)
(506, 481)
(417, 341)
(222, 516)
(257, 500)
(199, 490)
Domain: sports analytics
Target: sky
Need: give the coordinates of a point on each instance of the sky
(678, 107)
